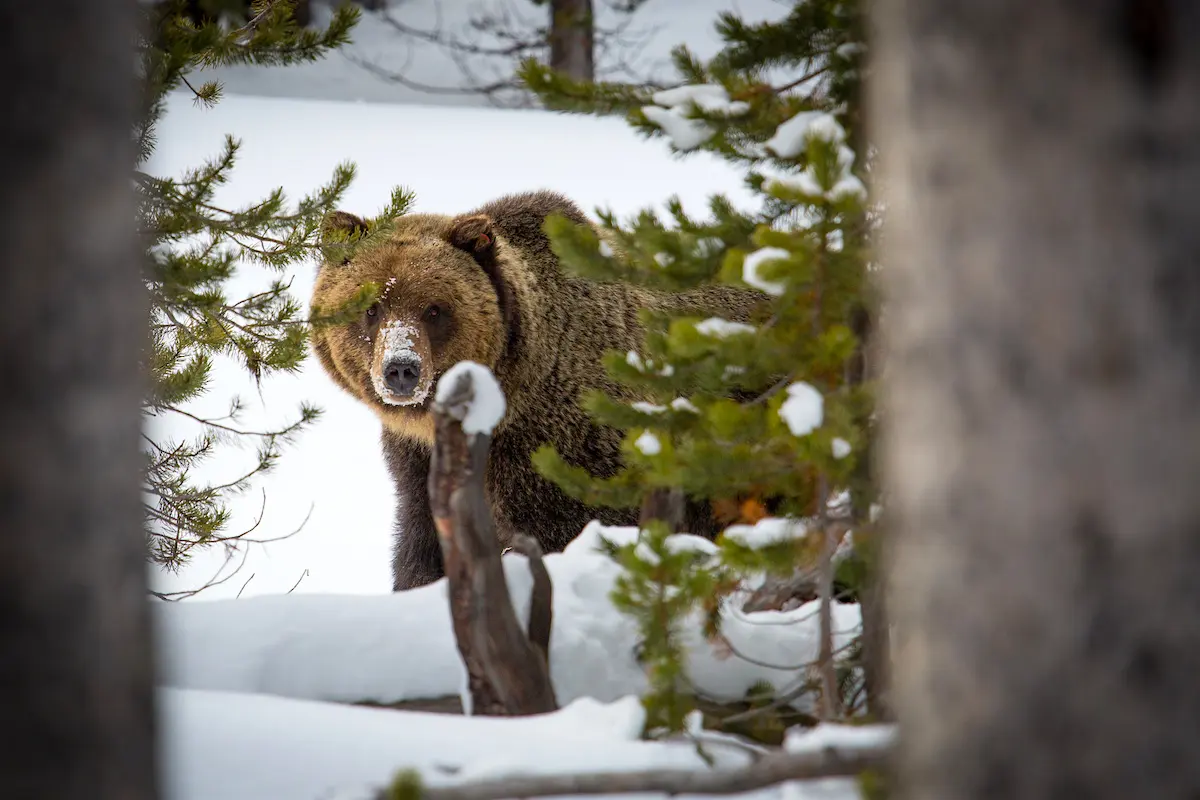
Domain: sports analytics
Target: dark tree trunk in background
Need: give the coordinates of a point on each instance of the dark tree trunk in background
(76, 704)
(1044, 393)
(572, 37)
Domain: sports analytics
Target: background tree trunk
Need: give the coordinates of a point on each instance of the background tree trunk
(1044, 393)
(75, 662)
(572, 38)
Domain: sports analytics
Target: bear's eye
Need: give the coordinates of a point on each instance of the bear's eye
(373, 313)
(434, 313)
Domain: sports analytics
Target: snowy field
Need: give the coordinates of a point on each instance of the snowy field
(241, 676)
(254, 690)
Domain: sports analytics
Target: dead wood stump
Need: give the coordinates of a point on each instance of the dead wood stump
(508, 674)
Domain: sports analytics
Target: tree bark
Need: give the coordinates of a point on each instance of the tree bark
(572, 38)
(1043, 398)
(75, 671)
(508, 675)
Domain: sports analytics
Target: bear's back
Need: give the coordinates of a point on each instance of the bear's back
(520, 217)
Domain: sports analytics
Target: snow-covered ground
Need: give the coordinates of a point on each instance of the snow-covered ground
(400, 646)
(256, 747)
(240, 678)
(254, 689)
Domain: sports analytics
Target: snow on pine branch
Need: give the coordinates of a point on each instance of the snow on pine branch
(753, 263)
(672, 107)
(804, 409)
(791, 136)
(719, 328)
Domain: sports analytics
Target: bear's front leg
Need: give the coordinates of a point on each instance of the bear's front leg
(416, 552)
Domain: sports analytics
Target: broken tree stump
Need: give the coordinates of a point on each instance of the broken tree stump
(508, 675)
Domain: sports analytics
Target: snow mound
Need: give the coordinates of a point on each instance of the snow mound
(401, 647)
(245, 747)
(486, 408)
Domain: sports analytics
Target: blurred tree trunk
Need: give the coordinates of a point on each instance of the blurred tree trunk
(572, 34)
(1044, 393)
(76, 710)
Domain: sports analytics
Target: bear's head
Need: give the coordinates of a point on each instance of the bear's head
(441, 300)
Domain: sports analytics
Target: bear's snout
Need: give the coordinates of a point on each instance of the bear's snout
(402, 376)
(400, 369)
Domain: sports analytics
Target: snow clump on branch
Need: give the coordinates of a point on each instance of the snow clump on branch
(672, 106)
(804, 409)
(487, 406)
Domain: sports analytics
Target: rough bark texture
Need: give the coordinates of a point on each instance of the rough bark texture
(75, 664)
(1044, 393)
(572, 34)
(508, 675)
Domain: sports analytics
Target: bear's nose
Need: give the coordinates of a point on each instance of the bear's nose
(402, 377)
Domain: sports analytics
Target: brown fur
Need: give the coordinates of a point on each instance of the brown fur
(540, 331)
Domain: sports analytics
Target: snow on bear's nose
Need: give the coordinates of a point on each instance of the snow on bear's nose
(396, 372)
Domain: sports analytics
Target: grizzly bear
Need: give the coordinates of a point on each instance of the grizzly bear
(486, 287)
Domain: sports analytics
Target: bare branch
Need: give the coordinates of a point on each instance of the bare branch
(303, 575)
(541, 609)
(830, 762)
(174, 596)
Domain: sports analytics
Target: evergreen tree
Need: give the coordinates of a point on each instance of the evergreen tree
(194, 246)
(765, 421)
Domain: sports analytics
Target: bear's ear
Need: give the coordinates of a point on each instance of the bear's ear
(336, 229)
(473, 234)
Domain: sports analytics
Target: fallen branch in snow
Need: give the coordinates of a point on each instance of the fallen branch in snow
(772, 769)
(507, 674)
